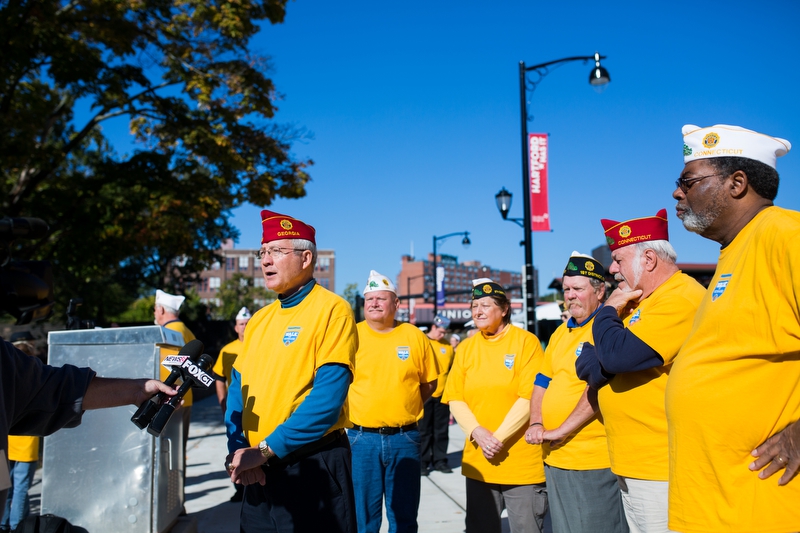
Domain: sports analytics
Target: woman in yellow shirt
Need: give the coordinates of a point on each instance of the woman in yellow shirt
(489, 391)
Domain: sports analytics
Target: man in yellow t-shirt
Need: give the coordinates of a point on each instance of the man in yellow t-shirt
(637, 335)
(435, 422)
(223, 367)
(286, 409)
(733, 402)
(395, 373)
(582, 492)
(166, 312)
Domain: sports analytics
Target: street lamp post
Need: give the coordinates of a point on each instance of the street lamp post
(597, 78)
(466, 242)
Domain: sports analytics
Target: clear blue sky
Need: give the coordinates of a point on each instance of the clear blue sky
(414, 110)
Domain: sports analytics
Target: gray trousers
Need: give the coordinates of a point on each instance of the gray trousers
(585, 501)
(526, 506)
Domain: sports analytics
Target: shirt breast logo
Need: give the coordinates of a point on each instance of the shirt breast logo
(403, 352)
(579, 350)
(509, 362)
(443, 350)
(292, 332)
(635, 318)
(720, 287)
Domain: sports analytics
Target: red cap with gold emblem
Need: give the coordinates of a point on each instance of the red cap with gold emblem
(621, 234)
(275, 227)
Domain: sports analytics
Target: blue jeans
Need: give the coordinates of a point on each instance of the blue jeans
(386, 464)
(17, 504)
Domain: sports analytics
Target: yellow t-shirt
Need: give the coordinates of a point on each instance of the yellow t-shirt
(444, 359)
(389, 369)
(22, 448)
(283, 348)
(632, 404)
(180, 327)
(587, 449)
(224, 362)
(735, 384)
(490, 375)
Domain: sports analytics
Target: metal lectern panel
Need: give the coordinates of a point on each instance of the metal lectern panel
(107, 474)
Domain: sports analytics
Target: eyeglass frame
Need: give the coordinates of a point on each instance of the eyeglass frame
(685, 184)
(276, 251)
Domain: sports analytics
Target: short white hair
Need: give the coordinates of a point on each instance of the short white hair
(662, 248)
(305, 244)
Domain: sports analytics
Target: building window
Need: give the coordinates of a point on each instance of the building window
(325, 282)
(323, 264)
(215, 265)
(213, 283)
(202, 285)
(259, 282)
(230, 263)
(244, 262)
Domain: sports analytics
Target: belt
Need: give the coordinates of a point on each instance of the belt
(305, 451)
(387, 430)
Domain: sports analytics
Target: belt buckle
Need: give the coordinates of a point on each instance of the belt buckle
(385, 431)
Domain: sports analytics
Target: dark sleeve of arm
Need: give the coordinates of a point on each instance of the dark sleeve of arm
(233, 414)
(618, 349)
(588, 368)
(317, 414)
(41, 399)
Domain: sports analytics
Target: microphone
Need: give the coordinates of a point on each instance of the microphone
(191, 373)
(145, 413)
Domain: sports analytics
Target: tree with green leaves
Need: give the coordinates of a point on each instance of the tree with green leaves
(199, 105)
(238, 292)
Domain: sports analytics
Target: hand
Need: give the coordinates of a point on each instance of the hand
(534, 434)
(781, 450)
(244, 466)
(555, 437)
(622, 300)
(151, 387)
(489, 445)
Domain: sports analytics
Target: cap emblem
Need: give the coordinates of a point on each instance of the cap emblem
(285, 224)
(711, 140)
(487, 289)
(624, 231)
(588, 265)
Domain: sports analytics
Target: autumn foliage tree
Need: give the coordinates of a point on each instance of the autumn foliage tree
(199, 105)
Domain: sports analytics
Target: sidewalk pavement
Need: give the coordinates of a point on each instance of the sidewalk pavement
(208, 488)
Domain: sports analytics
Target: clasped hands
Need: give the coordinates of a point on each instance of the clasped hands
(244, 466)
(537, 434)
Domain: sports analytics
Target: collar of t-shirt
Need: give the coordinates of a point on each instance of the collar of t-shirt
(571, 324)
(297, 297)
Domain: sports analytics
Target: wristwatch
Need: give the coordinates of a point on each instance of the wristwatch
(265, 450)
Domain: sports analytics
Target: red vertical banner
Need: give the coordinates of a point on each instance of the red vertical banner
(537, 174)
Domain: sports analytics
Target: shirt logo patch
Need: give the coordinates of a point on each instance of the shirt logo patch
(403, 352)
(635, 318)
(509, 362)
(579, 350)
(291, 335)
(443, 350)
(720, 287)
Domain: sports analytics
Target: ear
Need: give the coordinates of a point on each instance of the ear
(739, 183)
(308, 257)
(650, 260)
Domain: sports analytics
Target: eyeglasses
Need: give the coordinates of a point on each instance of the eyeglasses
(685, 184)
(276, 252)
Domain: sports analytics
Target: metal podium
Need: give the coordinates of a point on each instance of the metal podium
(107, 474)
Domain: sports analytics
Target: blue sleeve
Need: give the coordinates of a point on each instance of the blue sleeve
(542, 381)
(618, 349)
(588, 368)
(233, 414)
(317, 414)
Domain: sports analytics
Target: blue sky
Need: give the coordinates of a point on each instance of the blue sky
(414, 110)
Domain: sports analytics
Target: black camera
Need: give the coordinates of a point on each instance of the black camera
(26, 287)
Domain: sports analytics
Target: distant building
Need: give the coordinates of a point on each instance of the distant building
(244, 261)
(415, 285)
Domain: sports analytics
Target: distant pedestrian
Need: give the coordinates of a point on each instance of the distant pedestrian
(435, 423)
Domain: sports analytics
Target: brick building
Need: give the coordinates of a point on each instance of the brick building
(244, 261)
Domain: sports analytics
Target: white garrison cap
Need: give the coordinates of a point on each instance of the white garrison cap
(243, 314)
(379, 282)
(731, 141)
(169, 300)
(476, 282)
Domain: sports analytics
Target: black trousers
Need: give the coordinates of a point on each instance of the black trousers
(433, 432)
(313, 495)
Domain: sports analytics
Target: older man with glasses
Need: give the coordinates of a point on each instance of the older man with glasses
(286, 408)
(733, 401)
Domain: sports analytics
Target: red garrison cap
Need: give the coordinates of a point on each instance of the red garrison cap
(621, 234)
(275, 227)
